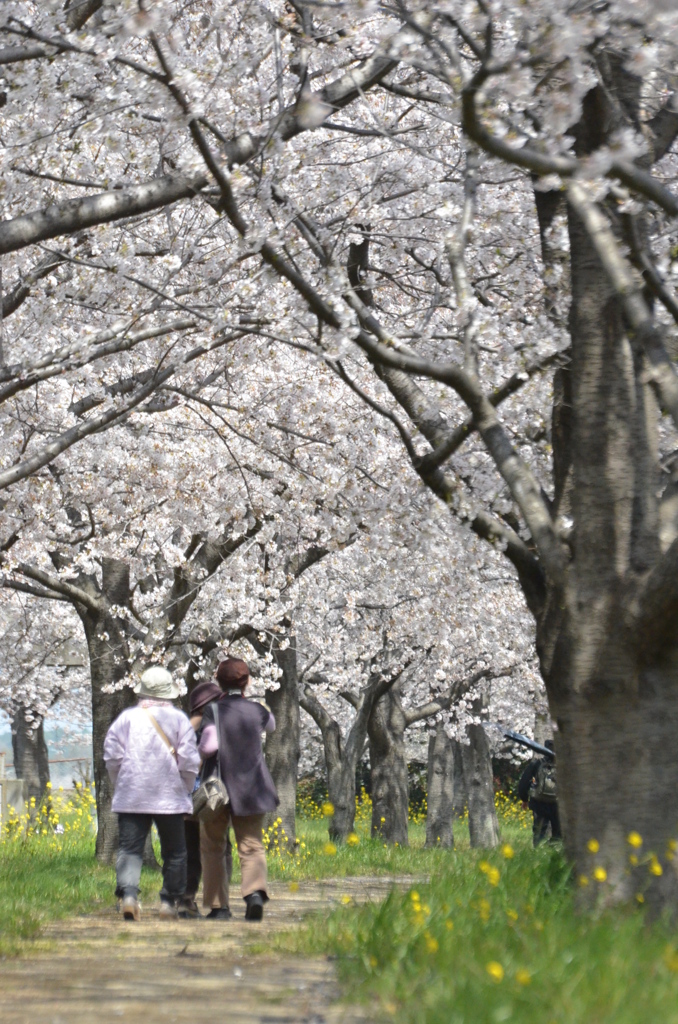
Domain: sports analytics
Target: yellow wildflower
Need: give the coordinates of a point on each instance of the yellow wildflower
(655, 867)
(599, 873)
(329, 849)
(328, 809)
(431, 943)
(495, 970)
(593, 846)
(352, 839)
(634, 839)
(523, 977)
(507, 851)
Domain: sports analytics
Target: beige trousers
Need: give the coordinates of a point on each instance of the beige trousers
(213, 836)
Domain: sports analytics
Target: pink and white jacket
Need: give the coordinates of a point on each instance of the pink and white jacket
(146, 777)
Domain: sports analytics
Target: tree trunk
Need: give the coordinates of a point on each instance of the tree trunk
(617, 767)
(31, 759)
(282, 746)
(606, 643)
(476, 760)
(109, 662)
(460, 797)
(341, 792)
(388, 769)
(340, 767)
(440, 785)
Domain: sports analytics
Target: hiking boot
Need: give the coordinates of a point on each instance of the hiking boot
(188, 910)
(255, 906)
(219, 914)
(168, 911)
(131, 911)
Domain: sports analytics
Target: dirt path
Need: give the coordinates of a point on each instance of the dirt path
(99, 969)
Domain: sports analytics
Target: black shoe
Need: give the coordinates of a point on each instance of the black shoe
(255, 906)
(188, 910)
(219, 914)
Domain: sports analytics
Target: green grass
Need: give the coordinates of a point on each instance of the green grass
(495, 938)
(42, 882)
(316, 857)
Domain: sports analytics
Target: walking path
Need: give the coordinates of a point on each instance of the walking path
(99, 969)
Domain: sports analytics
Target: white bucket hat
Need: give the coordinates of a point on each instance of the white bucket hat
(157, 682)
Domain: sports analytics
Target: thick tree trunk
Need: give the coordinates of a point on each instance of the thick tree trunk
(282, 746)
(388, 769)
(617, 770)
(476, 760)
(611, 685)
(31, 759)
(440, 785)
(109, 662)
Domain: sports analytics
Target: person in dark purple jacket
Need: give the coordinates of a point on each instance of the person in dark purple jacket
(250, 788)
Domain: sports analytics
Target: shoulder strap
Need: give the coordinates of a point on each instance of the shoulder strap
(215, 708)
(161, 733)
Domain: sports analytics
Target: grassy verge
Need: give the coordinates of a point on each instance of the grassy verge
(48, 871)
(495, 938)
(40, 883)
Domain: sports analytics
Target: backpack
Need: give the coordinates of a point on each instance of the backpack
(544, 786)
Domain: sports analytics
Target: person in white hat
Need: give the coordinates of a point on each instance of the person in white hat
(152, 758)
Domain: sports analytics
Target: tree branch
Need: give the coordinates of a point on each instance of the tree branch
(59, 586)
(628, 287)
(76, 214)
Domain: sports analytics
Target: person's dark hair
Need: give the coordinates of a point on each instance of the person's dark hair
(233, 674)
(202, 695)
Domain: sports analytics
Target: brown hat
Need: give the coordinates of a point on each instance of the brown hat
(202, 694)
(233, 673)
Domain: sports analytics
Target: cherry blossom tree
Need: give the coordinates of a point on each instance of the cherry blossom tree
(38, 670)
(410, 195)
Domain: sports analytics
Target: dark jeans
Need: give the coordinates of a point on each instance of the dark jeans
(543, 815)
(194, 865)
(133, 829)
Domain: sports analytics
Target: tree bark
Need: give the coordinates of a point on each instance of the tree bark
(476, 760)
(282, 746)
(388, 769)
(460, 797)
(342, 755)
(617, 767)
(31, 759)
(440, 798)
(109, 662)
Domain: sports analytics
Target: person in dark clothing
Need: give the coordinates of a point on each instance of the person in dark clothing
(237, 750)
(544, 811)
(199, 698)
